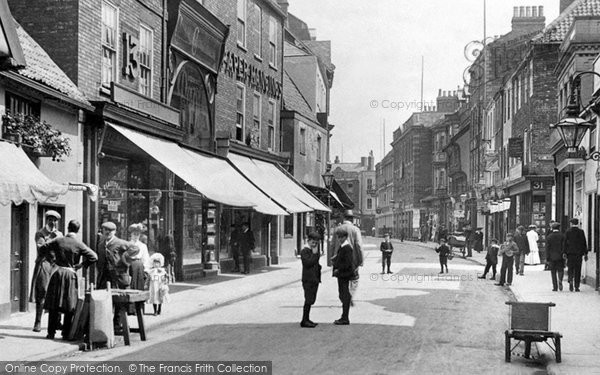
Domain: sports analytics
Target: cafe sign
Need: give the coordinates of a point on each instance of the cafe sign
(251, 75)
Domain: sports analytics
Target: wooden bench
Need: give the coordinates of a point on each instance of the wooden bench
(121, 299)
(530, 322)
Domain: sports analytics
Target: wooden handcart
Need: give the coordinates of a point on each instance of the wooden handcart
(530, 322)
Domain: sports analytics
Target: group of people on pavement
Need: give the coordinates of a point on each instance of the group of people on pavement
(521, 248)
(346, 260)
(123, 264)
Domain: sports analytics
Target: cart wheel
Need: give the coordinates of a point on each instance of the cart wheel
(506, 347)
(558, 353)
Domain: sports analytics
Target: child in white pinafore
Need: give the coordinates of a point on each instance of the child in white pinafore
(157, 283)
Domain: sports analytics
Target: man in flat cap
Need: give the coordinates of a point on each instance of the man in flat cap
(575, 249)
(43, 266)
(110, 250)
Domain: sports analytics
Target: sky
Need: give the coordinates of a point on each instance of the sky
(377, 48)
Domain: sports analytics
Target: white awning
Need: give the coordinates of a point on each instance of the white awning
(278, 184)
(21, 181)
(211, 176)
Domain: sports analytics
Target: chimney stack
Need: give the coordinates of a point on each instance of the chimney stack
(284, 5)
(528, 19)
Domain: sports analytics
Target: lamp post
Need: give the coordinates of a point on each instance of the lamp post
(328, 180)
(572, 129)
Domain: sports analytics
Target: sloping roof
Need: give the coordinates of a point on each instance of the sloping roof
(293, 99)
(348, 167)
(40, 68)
(557, 30)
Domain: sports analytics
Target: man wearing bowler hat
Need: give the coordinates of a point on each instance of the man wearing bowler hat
(43, 266)
(110, 251)
(575, 250)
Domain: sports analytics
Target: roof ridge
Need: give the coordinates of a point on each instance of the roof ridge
(552, 25)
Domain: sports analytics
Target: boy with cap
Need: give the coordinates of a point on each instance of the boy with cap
(508, 249)
(43, 267)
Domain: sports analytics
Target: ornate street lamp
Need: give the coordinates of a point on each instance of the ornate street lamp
(328, 178)
(572, 128)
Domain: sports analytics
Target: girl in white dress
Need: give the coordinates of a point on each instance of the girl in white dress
(157, 283)
(534, 252)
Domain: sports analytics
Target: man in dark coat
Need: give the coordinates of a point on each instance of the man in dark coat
(576, 249)
(62, 293)
(110, 250)
(523, 245)
(43, 267)
(246, 245)
(311, 276)
(555, 246)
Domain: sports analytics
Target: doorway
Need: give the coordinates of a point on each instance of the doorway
(18, 259)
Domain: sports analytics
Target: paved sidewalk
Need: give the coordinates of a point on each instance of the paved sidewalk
(575, 316)
(20, 343)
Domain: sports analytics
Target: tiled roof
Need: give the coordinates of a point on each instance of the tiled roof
(40, 68)
(348, 167)
(557, 30)
(293, 99)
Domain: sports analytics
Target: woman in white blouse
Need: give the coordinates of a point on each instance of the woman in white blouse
(534, 252)
(140, 262)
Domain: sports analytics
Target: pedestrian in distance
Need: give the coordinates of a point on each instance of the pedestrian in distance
(157, 283)
(43, 266)
(534, 251)
(491, 259)
(555, 249)
(402, 234)
(576, 250)
(386, 249)
(478, 240)
(443, 250)
(344, 270)
(235, 247)
(522, 242)
(246, 245)
(508, 249)
(469, 240)
(62, 294)
(443, 233)
(311, 276)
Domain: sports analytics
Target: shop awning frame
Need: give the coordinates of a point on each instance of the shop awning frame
(212, 176)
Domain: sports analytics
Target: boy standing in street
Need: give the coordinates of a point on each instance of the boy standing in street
(311, 276)
(507, 251)
(386, 254)
(443, 250)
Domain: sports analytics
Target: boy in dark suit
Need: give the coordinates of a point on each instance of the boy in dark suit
(343, 269)
(386, 254)
(444, 251)
(555, 246)
(311, 276)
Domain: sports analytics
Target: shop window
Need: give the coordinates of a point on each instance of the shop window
(241, 23)
(241, 110)
(288, 226)
(145, 60)
(271, 121)
(273, 42)
(109, 43)
(256, 114)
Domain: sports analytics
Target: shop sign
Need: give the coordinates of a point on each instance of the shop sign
(198, 42)
(538, 185)
(515, 147)
(251, 75)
